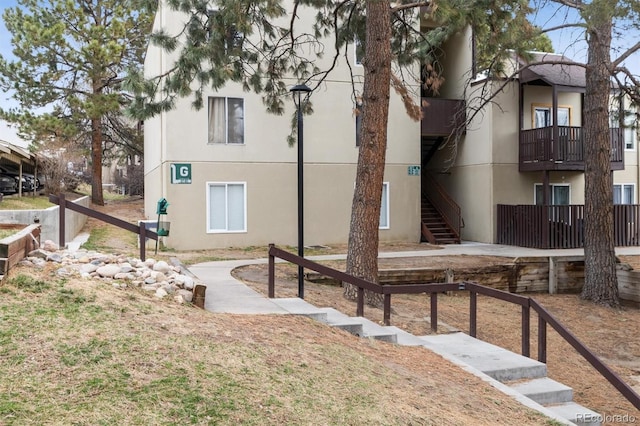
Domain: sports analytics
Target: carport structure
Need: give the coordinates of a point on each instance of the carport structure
(19, 159)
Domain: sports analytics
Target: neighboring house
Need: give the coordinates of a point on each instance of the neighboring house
(231, 179)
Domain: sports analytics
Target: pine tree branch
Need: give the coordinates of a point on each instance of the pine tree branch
(411, 6)
(630, 51)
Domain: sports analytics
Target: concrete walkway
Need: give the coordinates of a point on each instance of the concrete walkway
(225, 294)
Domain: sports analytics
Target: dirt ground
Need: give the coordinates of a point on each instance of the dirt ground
(613, 334)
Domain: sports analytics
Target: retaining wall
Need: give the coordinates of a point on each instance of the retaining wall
(560, 274)
(48, 219)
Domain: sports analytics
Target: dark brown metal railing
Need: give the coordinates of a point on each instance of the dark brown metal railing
(442, 202)
(526, 303)
(559, 227)
(537, 146)
(141, 230)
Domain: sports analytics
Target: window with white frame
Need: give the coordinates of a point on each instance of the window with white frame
(623, 193)
(543, 116)
(226, 120)
(560, 194)
(226, 207)
(628, 121)
(358, 51)
(384, 206)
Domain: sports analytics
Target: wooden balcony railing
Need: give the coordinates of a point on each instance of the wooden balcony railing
(558, 227)
(440, 117)
(539, 152)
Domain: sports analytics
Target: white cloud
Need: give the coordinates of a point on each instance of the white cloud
(9, 134)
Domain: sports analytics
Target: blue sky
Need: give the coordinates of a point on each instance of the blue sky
(567, 41)
(6, 132)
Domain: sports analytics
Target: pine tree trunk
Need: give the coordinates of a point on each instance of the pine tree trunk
(362, 255)
(600, 284)
(96, 160)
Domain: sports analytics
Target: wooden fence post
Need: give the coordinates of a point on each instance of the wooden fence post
(143, 240)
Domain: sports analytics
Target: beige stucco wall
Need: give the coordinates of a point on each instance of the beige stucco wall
(268, 166)
(272, 205)
(486, 173)
(542, 96)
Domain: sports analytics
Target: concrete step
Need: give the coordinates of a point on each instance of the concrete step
(376, 331)
(494, 361)
(544, 391)
(405, 339)
(576, 413)
(337, 319)
(297, 306)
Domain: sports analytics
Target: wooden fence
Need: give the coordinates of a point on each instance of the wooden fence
(560, 227)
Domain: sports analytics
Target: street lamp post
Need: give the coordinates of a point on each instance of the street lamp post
(300, 91)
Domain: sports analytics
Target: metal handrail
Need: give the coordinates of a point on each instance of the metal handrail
(544, 317)
(443, 202)
(141, 230)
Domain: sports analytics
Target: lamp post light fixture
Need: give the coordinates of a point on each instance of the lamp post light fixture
(300, 92)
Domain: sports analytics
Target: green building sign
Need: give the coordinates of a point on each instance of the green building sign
(413, 170)
(180, 173)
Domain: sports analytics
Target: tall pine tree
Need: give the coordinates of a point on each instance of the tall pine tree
(69, 59)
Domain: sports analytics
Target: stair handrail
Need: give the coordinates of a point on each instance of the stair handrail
(526, 302)
(442, 201)
(545, 317)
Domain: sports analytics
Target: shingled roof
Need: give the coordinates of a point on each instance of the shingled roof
(554, 70)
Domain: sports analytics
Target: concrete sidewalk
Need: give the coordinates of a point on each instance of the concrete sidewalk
(492, 364)
(225, 294)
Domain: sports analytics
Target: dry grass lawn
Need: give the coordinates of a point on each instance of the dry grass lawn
(269, 370)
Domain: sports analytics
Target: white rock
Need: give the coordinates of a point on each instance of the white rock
(187, 295)
(126, 267)
(108, 271)
(158, 276)
(150, 287)
(50, 246)
(161, 266)
(149, 280)
(88, 268)
(150, 262)
(160, 293)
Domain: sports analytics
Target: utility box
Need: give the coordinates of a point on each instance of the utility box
(149, 225)
(163, 228)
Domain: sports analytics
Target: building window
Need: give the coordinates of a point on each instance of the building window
(226, 120)
(226, 207)
(358, 51)
(543, 117)
(560, 194)
(384, 206)
(623, 193)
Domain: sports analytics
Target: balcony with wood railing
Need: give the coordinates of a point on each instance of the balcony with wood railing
(540, 151)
